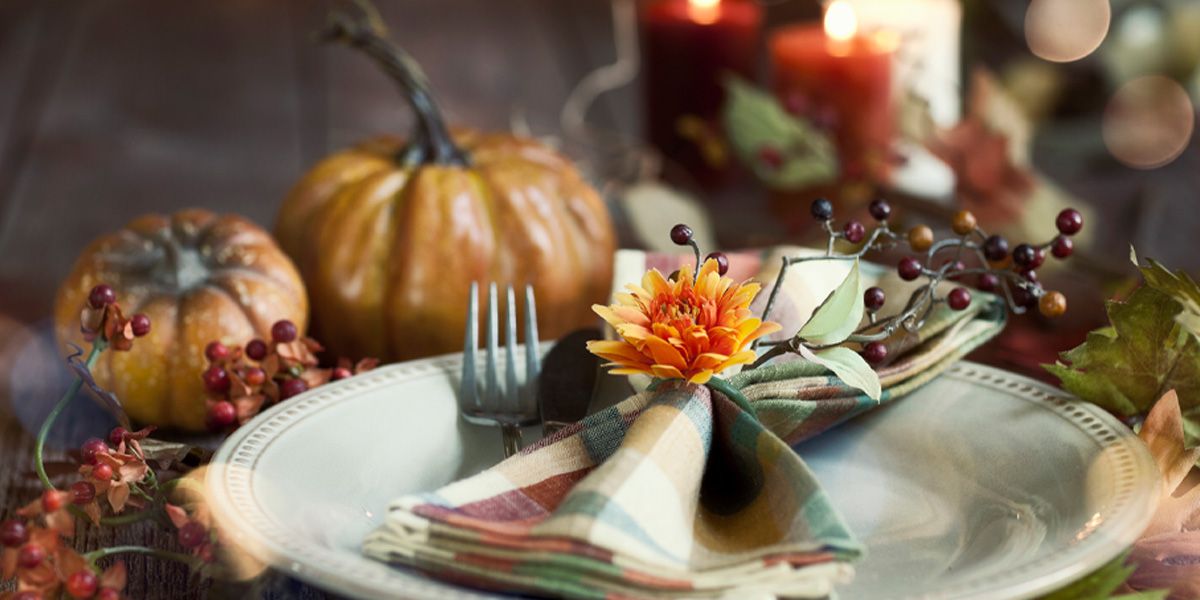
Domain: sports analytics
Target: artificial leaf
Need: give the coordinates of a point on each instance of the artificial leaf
(849, 366)
(1103, 583)
(168, 453)
(785, 151)
(110, 400)
(839, 315)
(1125, 369)
(1179, 286)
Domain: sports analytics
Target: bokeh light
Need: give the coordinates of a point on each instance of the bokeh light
(1066, 30)
(1148, 122)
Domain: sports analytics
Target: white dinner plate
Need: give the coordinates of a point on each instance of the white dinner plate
(982, 484)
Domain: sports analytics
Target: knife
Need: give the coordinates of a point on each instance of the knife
(568, 380)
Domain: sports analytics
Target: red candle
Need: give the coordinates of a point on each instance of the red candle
(840, 78)
(688, 46)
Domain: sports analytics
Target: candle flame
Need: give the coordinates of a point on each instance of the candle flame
(704, 12)
(840, 22)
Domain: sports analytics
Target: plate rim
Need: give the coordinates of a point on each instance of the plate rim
(229, 491)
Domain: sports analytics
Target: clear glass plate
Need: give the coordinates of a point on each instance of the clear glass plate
(982, 484)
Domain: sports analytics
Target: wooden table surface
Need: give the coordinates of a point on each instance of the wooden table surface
(109, 110)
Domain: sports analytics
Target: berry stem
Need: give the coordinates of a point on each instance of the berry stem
(97, 347)
(95, 555)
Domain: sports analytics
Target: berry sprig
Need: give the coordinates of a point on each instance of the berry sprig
(1013, 275)
(240, 382)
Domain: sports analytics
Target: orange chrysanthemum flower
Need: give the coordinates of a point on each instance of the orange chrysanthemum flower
(680, 328)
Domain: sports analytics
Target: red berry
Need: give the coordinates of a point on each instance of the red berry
(221, 415)
(256, 349)
(91, 448)
(722, 261)
(53, 500)
(82, 492)
(1028, 256)
(874, 352)
(340, 373)
(909, 268)
(82, 584)
(207, 553)
(215, 351)
(108, 593)
(216, 379)
(771, 156)
(292, 387)
(681, 234)
(988, 282)
(880, 209)
(101, 295)
(821, 209)
(854, 232)
(1069, 221)
(1028, 275)
(255, 376)
(117, 435)
(952, 267)
(192, 534)
(31, 555)
(102, 472)
(1023, 297)
(284, 331)
(13, 533)
(874, 298)
(959, 298)
(1062, 247)
(26, 595)
(140, 324)
(995, 248)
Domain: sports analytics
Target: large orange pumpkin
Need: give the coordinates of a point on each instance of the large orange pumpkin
(199, 277)
(389, 234)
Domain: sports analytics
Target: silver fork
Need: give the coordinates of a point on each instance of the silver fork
(517, 406)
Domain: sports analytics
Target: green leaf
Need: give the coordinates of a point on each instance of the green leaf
(839, 315)
(1179, 286)
(849, 366)
(1100, 584)
(754, 121)
(1127, 368)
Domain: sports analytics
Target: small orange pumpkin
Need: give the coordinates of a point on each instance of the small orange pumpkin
(389, 235)
(199, 277)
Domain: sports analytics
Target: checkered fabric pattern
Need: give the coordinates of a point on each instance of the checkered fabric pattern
(672, 493)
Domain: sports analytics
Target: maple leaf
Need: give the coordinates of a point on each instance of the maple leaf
(1125, 368)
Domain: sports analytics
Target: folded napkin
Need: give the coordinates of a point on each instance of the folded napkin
(674, 492)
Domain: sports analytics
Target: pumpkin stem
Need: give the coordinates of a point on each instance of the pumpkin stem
(431, 142)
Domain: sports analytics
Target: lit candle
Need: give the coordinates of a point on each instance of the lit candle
(688, 46)
(832, 69)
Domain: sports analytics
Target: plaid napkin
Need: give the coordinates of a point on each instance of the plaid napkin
(674, 492)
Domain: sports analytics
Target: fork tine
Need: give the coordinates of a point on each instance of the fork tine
(468, 393)
(532, 356)
(493, 391)
(512, 392)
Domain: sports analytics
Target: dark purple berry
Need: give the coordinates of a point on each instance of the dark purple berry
(117, 435)
(1028, 256)
(31, 555)
(140, 324)
(1023, 297)
(216, 379)
(880, 209)
(995, 248)
(101, 296)
(909, 268)
(874, 352)
(952, 267)
(192, 534)
(82, 492)
(854, 232)
(681, 234)
(1062, 247)
(90, 448)
(292, 387)
(874, 298)
(1069, 221)
(1029, 275)
(13, 533)
(284, 331)
(256, 349)
(821, 209)
(988, 282)
(722, 261)
(959, 298)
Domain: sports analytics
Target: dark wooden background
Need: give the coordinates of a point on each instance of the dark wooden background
(110, 109)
